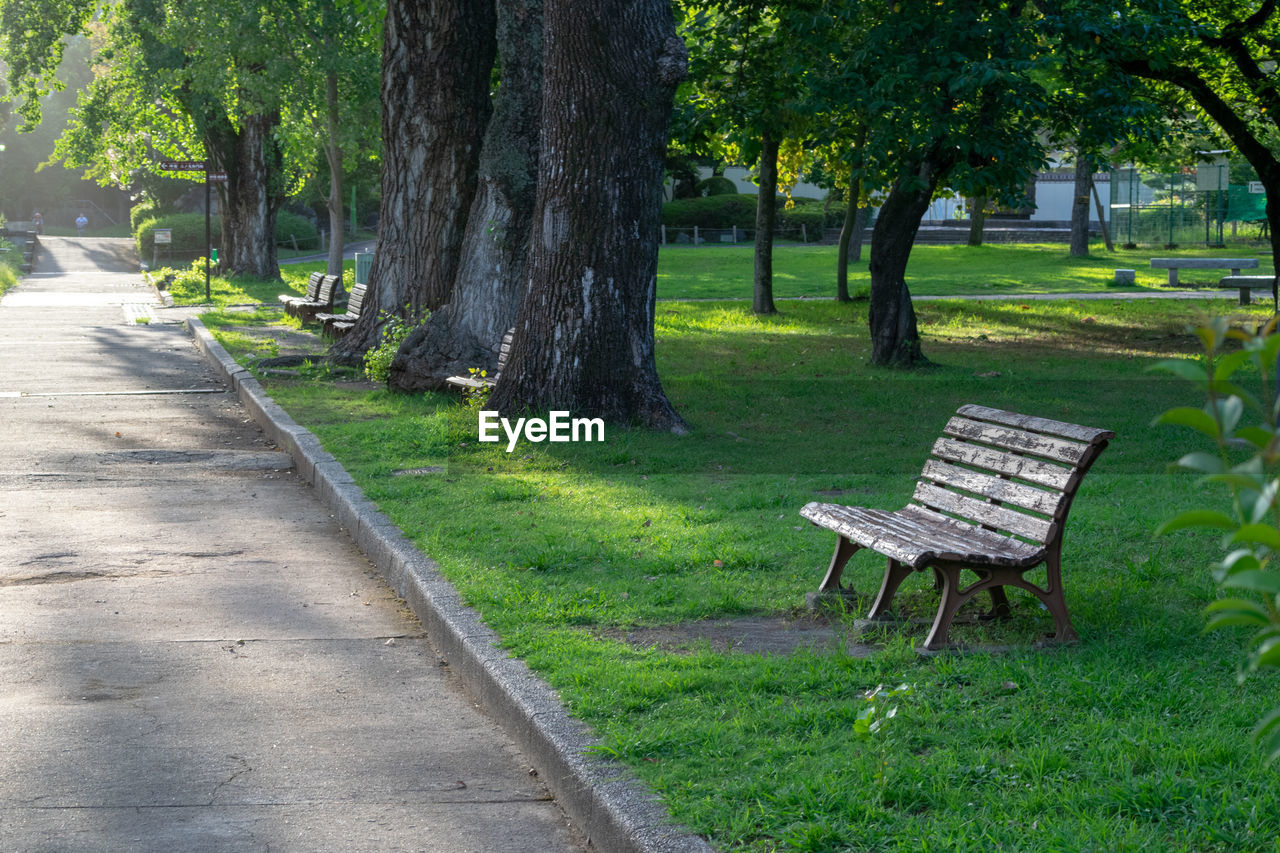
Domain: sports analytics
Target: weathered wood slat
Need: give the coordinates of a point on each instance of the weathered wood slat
(1008, 438)
(1034, 424)
(999, 517)
(1001, 462)
(994, 488)
(915, 539)
(504, 350)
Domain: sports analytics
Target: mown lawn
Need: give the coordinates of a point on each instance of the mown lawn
(725, 272)
(1134, 739)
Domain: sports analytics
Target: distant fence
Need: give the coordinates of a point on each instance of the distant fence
(1193, 207)
(696, 236)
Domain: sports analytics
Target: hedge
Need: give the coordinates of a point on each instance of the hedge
(188, 231)
(727, 211)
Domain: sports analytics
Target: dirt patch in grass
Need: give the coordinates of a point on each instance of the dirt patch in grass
(773, 635)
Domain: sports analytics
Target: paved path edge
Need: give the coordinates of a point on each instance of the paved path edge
(614, 809)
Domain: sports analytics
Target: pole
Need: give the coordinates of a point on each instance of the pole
(208, 237)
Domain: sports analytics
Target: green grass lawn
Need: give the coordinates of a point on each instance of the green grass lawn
(1134, 739)
(725, 272)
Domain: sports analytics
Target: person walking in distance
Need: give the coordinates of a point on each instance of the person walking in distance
(82, 222)
(38, 220)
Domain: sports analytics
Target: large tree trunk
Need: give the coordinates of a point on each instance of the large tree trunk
(254, 194)
(436, 63)
(333, 155)
(1103, 226)
(584, 338)
(895, 338)
(1080, 207)
(766, 210)
(491, 278)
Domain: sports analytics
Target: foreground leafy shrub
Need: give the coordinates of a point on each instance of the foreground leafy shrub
(377, 361)
(1246, 461)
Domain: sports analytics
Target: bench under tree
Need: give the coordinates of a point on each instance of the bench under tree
(476, 382)
(993, 499)
(336, 326)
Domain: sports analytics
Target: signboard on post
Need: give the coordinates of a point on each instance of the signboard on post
(1256, 188)
(163, 235)
(199, 166)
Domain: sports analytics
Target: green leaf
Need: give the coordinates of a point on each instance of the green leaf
(1206, 463)
(1230, 411)
(1263, 534)
(1236, 611)
(1197, 419)
(1253, 579)
(1267, 654)
(1198, 518)
(1258, 436)
(1234, 480)
(1229, 364)
(1193, 370)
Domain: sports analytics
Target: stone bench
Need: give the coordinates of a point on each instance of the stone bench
(1175, 264)
(1247, 283)
(993, 500)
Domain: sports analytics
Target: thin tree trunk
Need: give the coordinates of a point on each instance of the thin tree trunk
(853, 222)
(1080, 207)
(1102, 215)
(977, 219)
(333, 156)
(766, 210)
(491, 277)
(436, 63)
(584, 339)
(895, 338)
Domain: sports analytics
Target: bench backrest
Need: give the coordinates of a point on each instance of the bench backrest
(355, 301)
(1007, 472)
(504, 350)
(313, 286)
(328, 287)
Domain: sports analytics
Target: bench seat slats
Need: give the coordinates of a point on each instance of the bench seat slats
(992, 488)
(1022, 467)
(914, 537)
(1021, 441)
(1033, 424)
(992, 515)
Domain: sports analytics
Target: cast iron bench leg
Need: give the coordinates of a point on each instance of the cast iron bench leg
(894, 574)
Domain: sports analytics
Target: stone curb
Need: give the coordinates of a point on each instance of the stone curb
(604, 800)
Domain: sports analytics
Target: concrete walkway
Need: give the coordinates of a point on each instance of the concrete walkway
(193, 655)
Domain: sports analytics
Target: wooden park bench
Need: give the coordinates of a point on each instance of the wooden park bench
(1247, 284)
(309, 310)
(476, 382)
(337, 325)
(290, 300)
(1175, 264)
(992, 499)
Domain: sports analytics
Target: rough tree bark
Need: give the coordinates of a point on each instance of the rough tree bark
(491, 277)
(254, 163)
(766, 210)
(436, 62)
(895, 338)
(1080, 207)
(584, 337)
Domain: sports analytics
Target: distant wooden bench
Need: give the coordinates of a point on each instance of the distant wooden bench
(291, 300)
(1175, 264)
(992, 499)
(1247, 283)
(473, 383)
(337, 325)
(310, 310)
